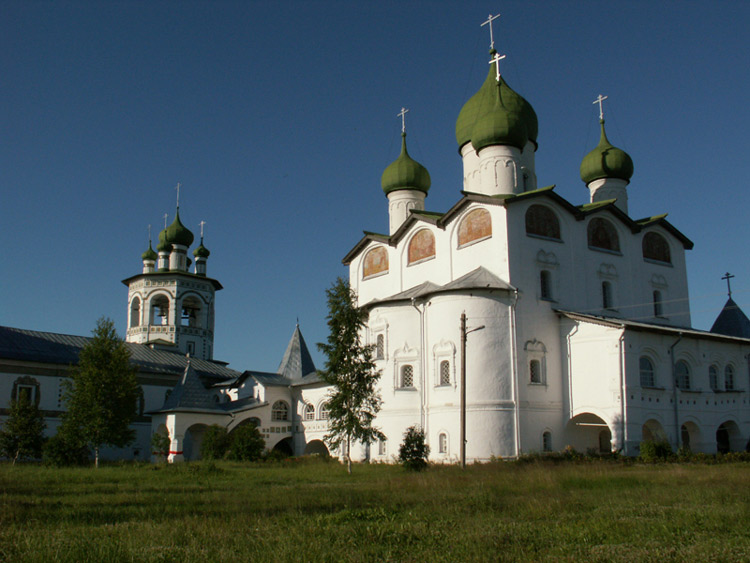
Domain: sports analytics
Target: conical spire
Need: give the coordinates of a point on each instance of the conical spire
(297, 361)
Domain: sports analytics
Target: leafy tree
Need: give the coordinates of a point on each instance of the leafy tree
(350, 370)
(160, 443)
(63, 449)
(215, 442)
(413, 452)
(102, 394)
(246, 443)
(22, 434)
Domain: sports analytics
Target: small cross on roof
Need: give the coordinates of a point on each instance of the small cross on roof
(489, 21)
(599, 101)
(402, 115)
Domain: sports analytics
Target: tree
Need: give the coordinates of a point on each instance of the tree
(22, 434)
(160, 443)
(246, 443)
(215, 442)
(102, 394)
(413, 452)
(349, 369)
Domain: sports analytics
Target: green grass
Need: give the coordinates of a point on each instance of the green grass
(305, 511)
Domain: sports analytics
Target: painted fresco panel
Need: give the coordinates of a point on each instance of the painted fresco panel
(421, 246)
(376, 262)
(476, 225)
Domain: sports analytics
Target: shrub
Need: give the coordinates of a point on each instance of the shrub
(160, 445)
(655, 451)
(413, 451)
(215, 443)
(246, 443)
(63, 450)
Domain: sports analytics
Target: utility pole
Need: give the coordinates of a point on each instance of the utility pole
(464, 334)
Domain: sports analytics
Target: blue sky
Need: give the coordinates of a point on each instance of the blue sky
(279, 118)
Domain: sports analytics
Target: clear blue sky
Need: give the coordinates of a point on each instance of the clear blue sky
(279, 118)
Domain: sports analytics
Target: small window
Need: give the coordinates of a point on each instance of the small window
(382, 447)
(602, 235)
(542, 221)
(646, 369)
(380, 347)
(191, 348)
(655, 247)
(535, 371)
(607, 300)
(445, 372)
(547, 441)
(407, 376)
(309, 413)
(713, 378)
(26, 392)
(682, 375)
(323, 411)
(658, 309)
(729, 378)
(545, 281)
(443, 443)
(280, 411)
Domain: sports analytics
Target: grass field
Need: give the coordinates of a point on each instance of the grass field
(314, 511)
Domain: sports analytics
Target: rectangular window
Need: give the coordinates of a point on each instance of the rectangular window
(407, 376)
(445, 373)
(381, 447)
(535, 371)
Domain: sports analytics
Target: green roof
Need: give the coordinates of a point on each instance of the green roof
(405, 173)
(606, 161)
(149, 254)
(483, 102)
(177, 233)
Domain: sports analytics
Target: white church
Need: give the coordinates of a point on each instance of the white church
(577, 324)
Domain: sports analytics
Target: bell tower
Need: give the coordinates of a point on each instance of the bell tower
(169, 307)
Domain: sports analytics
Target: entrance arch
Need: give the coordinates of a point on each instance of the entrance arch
(728, 438)
(284, 447)
(653, 431)
(690, 437)
(191, 445)
(587, 432)
(316, 447)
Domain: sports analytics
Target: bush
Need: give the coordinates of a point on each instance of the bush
(215, 443)
(413, 452)
(246, 443)
(63, 450)
(652, 452)
(160, 445)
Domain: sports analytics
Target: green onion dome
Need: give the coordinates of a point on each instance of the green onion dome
(177, 233)
(606, 161)
(149, 254)
(163, 245)
(500, 125)
(483, 101)
(201, 251)
(405, 173)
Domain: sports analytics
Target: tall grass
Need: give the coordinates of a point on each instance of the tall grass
(316, 512)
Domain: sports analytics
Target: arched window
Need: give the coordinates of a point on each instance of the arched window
(135, 312)
(602, 235)
(607, 299)
(280, 411)
(547, 441)
(375, 262)
(646, 369)
(26, 387)
(159, 310)
(309, 413)
(323, 411)
(476, 225)
(445, 373)
(658, 309)
(545, 281)
(729, 378)
(542, 221)
(682, 375)
(713, 378)
(421, 246)
(655, 247)
(535, 371)
(407, 376)
(191, 312)
(380, 347)
(382, 447)
(443, 443)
